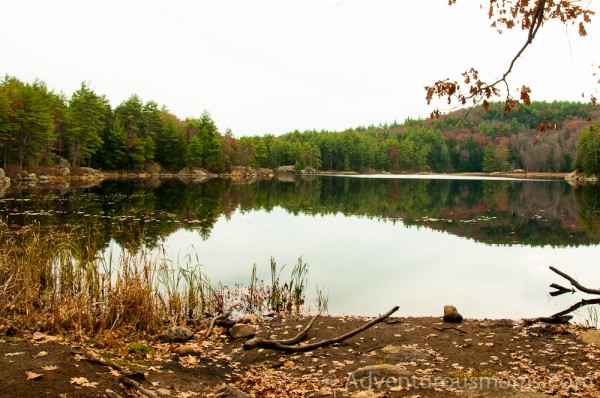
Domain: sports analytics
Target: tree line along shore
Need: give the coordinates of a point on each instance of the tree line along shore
(40, 128)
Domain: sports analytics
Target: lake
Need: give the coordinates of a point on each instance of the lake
(371, 242)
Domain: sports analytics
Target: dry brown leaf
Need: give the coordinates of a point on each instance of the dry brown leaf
(40, 354)
(49, 368)
(13, 354)
(82, 381)
(33, 376)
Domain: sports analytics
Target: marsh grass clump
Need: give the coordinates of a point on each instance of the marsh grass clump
(592, 320)
(56, 281)
(65, 281)
(277, 297)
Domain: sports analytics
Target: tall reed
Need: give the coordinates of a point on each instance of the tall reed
(65, 280)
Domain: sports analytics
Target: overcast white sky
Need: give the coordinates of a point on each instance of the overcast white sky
(272, 66)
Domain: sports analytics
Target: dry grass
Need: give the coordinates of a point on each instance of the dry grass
(56, 282)
(61, 281)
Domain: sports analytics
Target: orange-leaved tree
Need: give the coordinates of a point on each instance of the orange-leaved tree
(527, 15)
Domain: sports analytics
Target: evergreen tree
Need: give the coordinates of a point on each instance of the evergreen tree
(28, 127)
(113, 154)
(86, 115)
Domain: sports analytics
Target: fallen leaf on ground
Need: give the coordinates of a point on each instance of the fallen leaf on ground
(40, 354)
(82, 381)
(33, 376)
(48, 368)
(12, 354)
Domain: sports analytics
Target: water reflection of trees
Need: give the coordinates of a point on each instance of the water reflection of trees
(588, 204)
(134, 213)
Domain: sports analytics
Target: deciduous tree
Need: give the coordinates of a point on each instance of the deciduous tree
(528, 16)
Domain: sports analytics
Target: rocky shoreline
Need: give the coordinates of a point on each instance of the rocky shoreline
(402, 357)
(61, 175)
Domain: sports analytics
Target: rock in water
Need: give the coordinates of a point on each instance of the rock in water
(451, 314)
(177, 334)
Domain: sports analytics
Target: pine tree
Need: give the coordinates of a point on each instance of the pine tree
(86, 115)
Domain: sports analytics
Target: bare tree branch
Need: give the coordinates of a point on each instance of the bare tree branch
(577, 285)
(574, 307)
(562, 316)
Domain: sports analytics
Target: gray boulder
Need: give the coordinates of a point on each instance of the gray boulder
(403, 354)
(177, 334)
(378, 372)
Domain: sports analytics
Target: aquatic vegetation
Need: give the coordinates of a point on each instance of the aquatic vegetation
(62, 281)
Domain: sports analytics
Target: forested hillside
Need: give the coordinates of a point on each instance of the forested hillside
(38, 126)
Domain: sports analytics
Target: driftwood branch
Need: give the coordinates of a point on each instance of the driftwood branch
(576, 306)
(134, 384)
(577, 285)
(460, 331)
(93, 358)
(292, 345)
(124, 378)
(211, 326)
(560, 290)
(562, 316)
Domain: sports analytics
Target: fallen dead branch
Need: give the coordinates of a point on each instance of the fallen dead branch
(443, 329)
(577, 285)
(93, 358)
(212, 325)
(134, 384)
(563, 316)
(292, 345)
(124, 378)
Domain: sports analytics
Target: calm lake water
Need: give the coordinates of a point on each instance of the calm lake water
(420, 242)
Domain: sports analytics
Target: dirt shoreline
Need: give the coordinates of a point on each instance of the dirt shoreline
(431, 358)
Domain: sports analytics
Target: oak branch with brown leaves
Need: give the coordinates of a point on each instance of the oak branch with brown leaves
(530, 16)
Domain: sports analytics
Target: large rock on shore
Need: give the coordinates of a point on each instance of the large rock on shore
(451, 314)
(286, 170)
(152, 168)
(244, 172)
(193, 172)
(243, 330)
(4, 180)
(591, 337)
(384, 370)
(177, 334)
(399, 354)
(576, 177)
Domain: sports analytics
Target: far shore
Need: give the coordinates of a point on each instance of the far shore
(95, 177)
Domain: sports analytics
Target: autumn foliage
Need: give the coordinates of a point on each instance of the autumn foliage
(527, 15)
